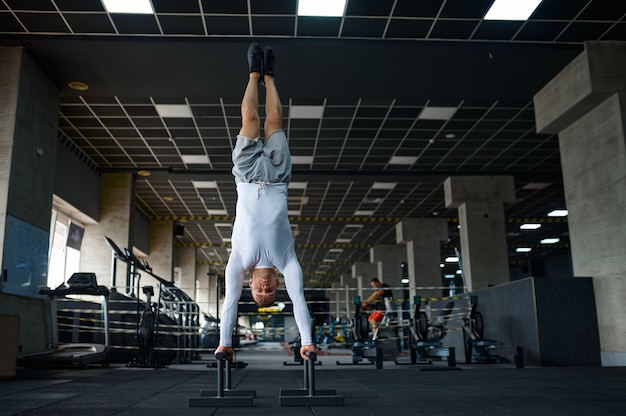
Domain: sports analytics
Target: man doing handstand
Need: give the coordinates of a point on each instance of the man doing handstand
(262, 240)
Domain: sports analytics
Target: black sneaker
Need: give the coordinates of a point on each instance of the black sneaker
(255, 58)
(269, 61)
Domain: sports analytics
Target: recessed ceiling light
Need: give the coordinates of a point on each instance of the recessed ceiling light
(452, 259)
(550, 240)
(448, 276)
(168, 198)
(512, 9)
(128, 6)
(323, 8)
(301, 160)
(306, 111)
(204, 184)
(384, 185)
(437, 113)
(402, 160)
(523, 249)
(558, 213)
(450, 136)
(174, 110)
(195, 159)
(529, 226)
(78, 86)
(297, 185)
(144, 173)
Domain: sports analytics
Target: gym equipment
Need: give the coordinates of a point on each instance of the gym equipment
(76, 354)
(310, 396)
(473, 337)
(381, 346)
(146, 334)
(474, 328)
(225, 397)
(425, 336)
(172, 302)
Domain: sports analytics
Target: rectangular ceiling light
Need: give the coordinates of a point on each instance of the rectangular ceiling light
(558, 213)
(523, 250)
(217, 212)
(174, 110)
(512, 9)
(384, 185)
(314, 112)
(529, 226)
(452, 259)
(297, 185)
(225, 231)
(128, 6)
(195, 159)
(348, 233)
(301, 160)
(204, 184)
(550, 240)
(437, 113)
(361, 213)
(402, 160)
(323, 8)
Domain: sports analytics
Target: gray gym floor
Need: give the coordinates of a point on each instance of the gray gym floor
(496, 389)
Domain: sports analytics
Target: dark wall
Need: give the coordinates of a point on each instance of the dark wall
(77, 180)
(553, 319)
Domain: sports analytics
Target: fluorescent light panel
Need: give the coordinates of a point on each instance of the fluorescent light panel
(174, 110)
(402, 160)
(361, 213)
(301, 160)
(204, 184)
(550, 240)
(512, 9)
(558, 213)
(384, 185)
(437, 113)
(523, 250)
(452, 259)
(195, 159)
(297, 185)
(323, 8)
(314, 112)
(529, 226)
(128, 6)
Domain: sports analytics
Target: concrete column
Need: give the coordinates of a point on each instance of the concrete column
(203, 289)
(116, 215)
(29, 108)
(423, 239)
(186, 260)
(388, 259)
(351, 289)
(480, 200)
(584, 104)
(162, 247)
(363, 272)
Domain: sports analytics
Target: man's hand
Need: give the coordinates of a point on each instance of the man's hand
(306, 348)
(228, 350)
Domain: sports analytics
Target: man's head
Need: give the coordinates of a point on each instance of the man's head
(375, 283)
(264, 286)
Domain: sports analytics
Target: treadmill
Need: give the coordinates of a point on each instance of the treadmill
(74, 354)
